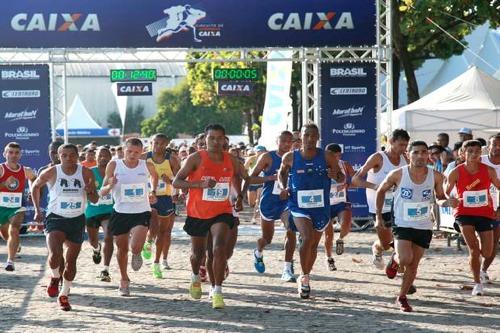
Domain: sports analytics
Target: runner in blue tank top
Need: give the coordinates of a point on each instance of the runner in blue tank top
(309, 191)
(271, 206)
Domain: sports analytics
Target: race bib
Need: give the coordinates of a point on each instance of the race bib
(10, 199)
(389, 198)
(276, 188)
(337, 196)
(133, 192)
(310, 199)
(69, 206)
(162, 186)
(473, 199)
(105, 200)
(416, 211)
(220, 192)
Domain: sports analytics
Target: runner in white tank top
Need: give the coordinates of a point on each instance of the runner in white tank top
(416, 187)
(375, 170)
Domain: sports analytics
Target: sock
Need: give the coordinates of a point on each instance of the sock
(195, 277)
(106, 268)
(258, 254)
(288, 265)
(55, 272)
(65, 287)
(218, 290)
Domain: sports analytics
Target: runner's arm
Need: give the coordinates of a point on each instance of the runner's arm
(47, 176)
(89, 179)
(283, 172)
(452, 180)
(392, 179)
(109, 179)
(358, 180)
(239, 174)
(190, 164)
(153, 176)
(350, 172)
(493, 177)
(439, 192)
(262, 164)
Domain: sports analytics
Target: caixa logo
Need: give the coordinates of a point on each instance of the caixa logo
(310, 21)
(55, 22)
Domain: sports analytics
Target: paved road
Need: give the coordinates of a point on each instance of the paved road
(355, 298)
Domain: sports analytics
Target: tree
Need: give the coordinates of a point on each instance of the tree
(416, 38)
(177, 114)
(132, 121)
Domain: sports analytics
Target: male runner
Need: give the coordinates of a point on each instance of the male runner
(493, 160)
(309, 190)
(375, 169)
(416, 187)
(70, 184)
(128, 180)
(211, 174)
(476, 212)
(13, 177)
(271, 206)
(254, 190)
(98, 214)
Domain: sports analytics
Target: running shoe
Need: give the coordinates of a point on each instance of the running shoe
(378, 261)
(63, 302)
(104, 276)
(217, 301)
(203, 274)
(96, 255)
(53, 287)
(339, 246)
(164, 265)
(259, 265)
(330, 263)
(391, 270)
(412, 290)
(9, 266)
(136, 262)
(477, 290)
(157, 271)
(124, 289)
(304, 287)
(195, 290)
(287, 276)
(482, 274)
(403, 304)
(146, 250)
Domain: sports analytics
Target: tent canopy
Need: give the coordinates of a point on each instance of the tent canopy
(471, 100)
(79, 117)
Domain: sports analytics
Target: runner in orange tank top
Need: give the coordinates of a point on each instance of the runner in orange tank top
(209, 176)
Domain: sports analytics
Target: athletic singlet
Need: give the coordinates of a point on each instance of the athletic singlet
(271, 190)
(12, 196)
(67, 197)
(130, 193)
(493, 190)
(163, 168)
(105, 204)
(474, 193)
(377, 178)
(338, 192)
(413, 202)
(206, 203)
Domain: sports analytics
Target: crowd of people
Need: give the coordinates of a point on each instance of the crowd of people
(133, 193)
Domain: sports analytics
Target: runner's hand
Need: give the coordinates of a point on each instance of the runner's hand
(284, 194)
(38, 216)
(379, 222)
(271, 178)
(238, 205)
(152, 198)
(453, 202)
(208, 183)
(166, 179)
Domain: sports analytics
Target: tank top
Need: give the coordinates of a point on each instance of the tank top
(309, 183)
(67, 197)
(493, 190)
(206, 203)
(338, 192)
(162, 168)
(413, 202)
(130, 193)
(271, 190)
(12, 196)
(377, 178)
(474, 192)
(105, 203)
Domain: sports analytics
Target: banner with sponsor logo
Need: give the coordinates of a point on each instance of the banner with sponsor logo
(134, 89)
(348, 117)
(185, 24)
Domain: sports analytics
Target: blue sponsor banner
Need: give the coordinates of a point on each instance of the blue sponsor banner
(348, 117)
(89, 132)
(185, 24)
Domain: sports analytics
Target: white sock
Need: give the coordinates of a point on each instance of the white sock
(217, 290)
(288, 265)
(258, 254)
(55, 272)
(106, 268)
(65, 287)
(195, 277)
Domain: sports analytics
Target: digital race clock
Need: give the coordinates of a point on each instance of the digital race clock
(131, 75)
(243, 74)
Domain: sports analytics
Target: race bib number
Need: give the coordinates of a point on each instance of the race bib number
(416, 211)
(105, 200)
(133, 192)
(70, 206)
(276, 188)
(310, 199)
(220, 192)
(473, 199)
(162, 186)
(337, 196)
(389, 198)
(10, 199)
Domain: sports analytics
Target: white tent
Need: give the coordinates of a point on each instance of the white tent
(471, 100)
(79, 117)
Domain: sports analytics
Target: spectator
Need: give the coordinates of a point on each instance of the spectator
(465, 134)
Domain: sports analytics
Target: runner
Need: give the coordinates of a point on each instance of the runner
(416, 188)
(476, 212)
(309, 189)
(340, 208)
(13, 178)
(211, 174)
(254, 191)
(128, 180)
(166, 166)
(375, 169)
(493, 160)
(69, 186)
(271, 207)
(98, 214)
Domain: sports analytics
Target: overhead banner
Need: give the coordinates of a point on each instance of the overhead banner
(184, 24)
(348, 117)
(90, 132)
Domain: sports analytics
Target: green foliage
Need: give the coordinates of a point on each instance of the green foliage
(132, 121)
(177, 114)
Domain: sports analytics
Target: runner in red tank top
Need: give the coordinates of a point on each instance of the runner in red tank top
(210, 175)
(474, 212)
